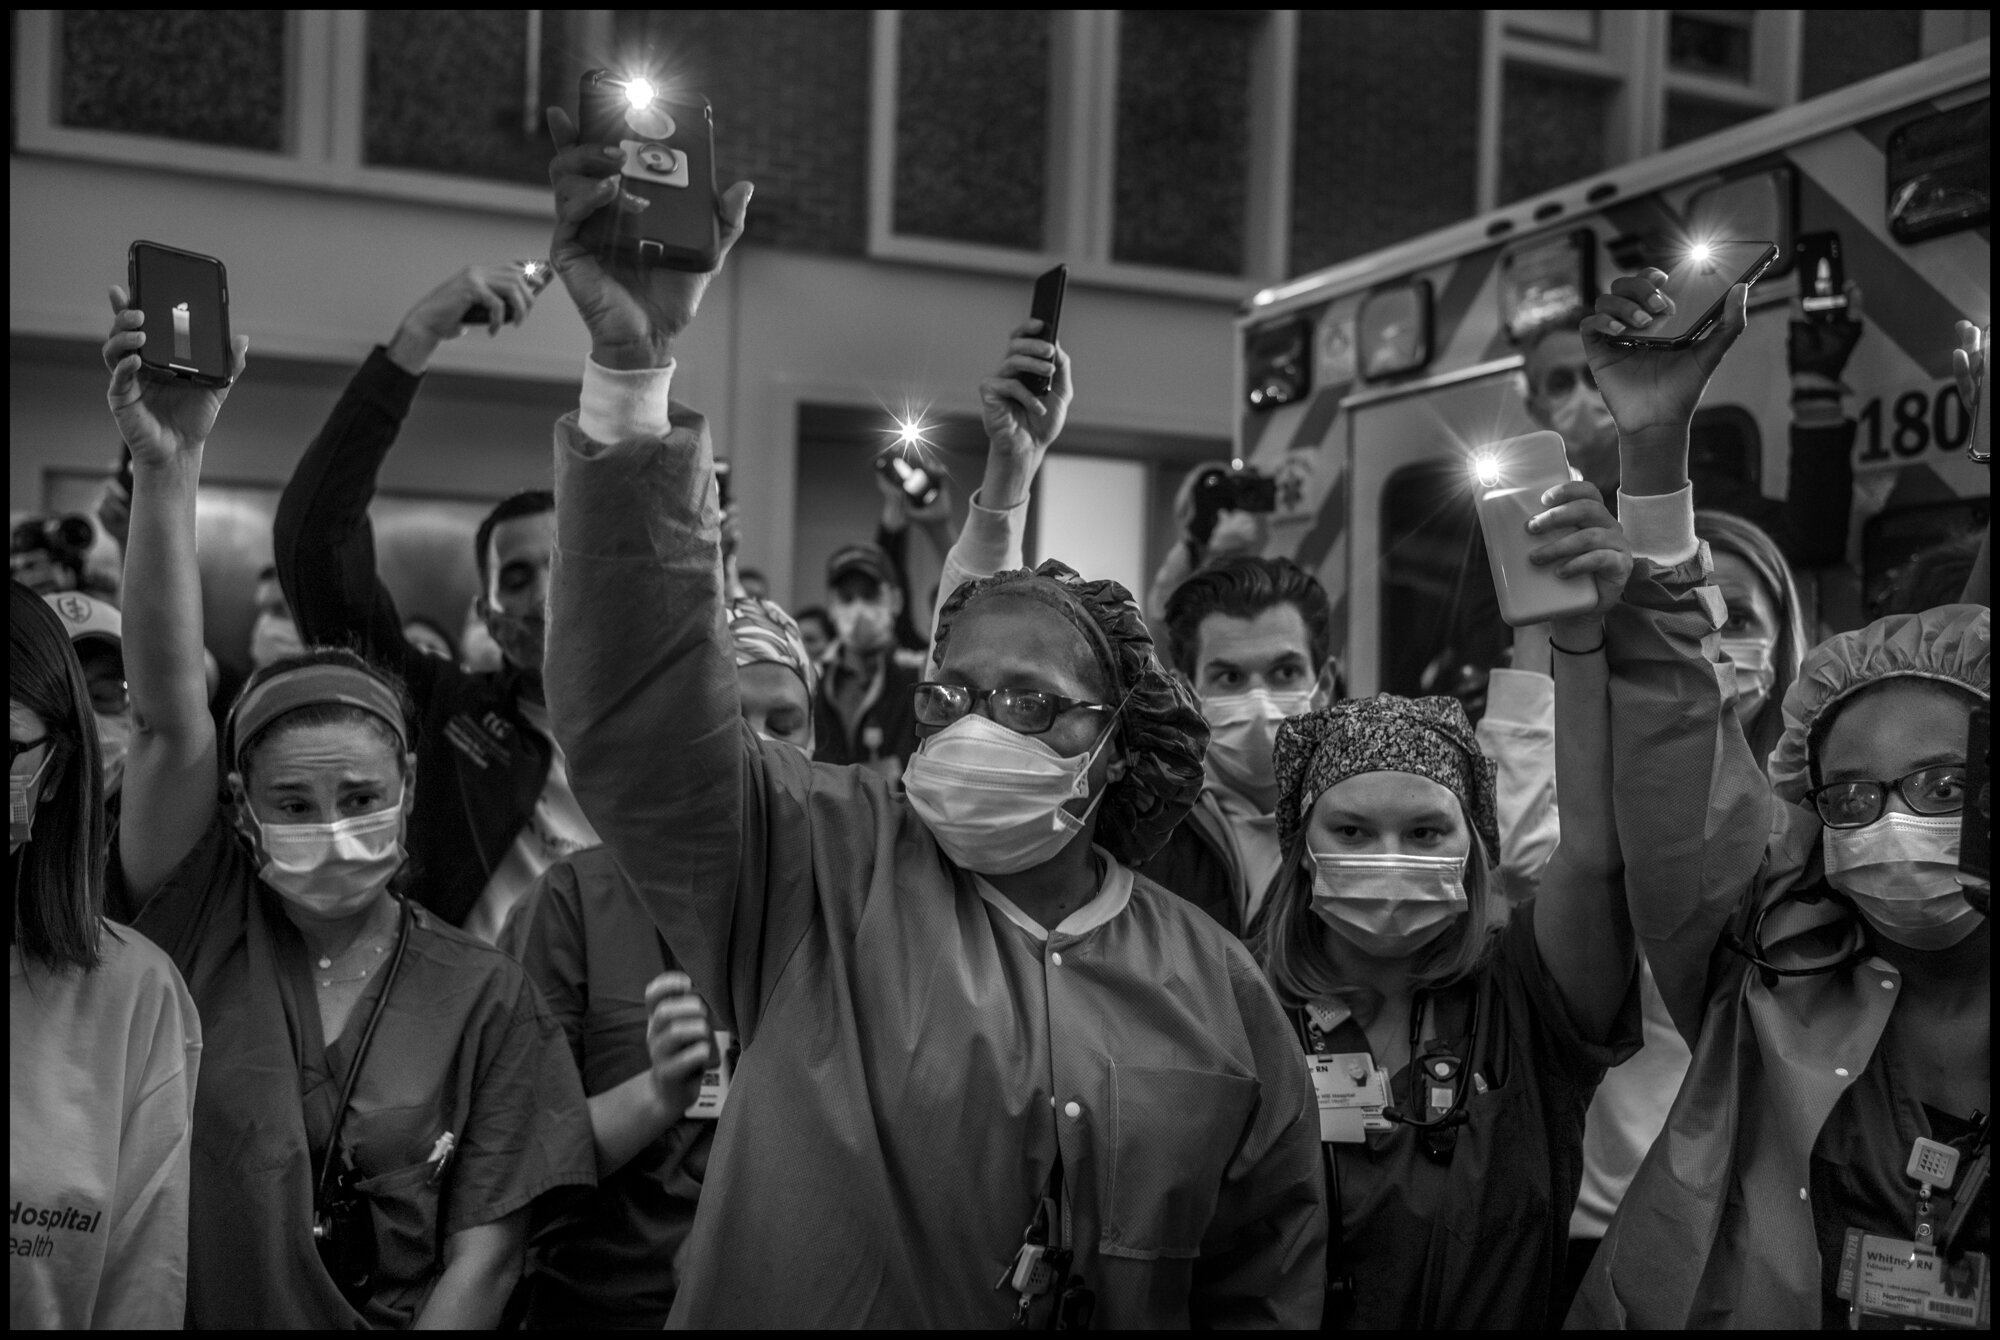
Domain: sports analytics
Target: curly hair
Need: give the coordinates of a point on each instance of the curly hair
(1161, 730)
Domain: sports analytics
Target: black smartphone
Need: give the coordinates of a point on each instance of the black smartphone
(722, 485)
(537, 273)
(1047, 309)
(669, 146)
(1822, 277)
(1979, 446)
(1699, 284)
(919, 485)
(185, 297)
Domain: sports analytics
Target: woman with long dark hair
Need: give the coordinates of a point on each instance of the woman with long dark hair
(386, 1096)
(103, 1042)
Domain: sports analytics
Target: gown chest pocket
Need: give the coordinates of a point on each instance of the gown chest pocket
(1173, 1132)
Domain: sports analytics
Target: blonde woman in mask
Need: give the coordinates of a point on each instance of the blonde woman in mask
(384, 1097)
(1454, 1038)
(1808, 932)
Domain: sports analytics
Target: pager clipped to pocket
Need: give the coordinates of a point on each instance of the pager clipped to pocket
(1512, 477)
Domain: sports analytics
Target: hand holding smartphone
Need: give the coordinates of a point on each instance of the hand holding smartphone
(918, 485)
(1513, 475)
(536, 273)
(185, 296)
(1699, 285)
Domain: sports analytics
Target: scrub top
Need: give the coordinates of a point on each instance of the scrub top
(917, 1052)
(606, 1259)
(1476, 1243)
(465, 1047)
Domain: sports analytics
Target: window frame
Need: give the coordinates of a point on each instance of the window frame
(1631, 61)
(1082, 151)
(326, 75)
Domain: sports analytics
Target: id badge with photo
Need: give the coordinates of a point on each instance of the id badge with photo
(1891, 1283)
(1351, 1094)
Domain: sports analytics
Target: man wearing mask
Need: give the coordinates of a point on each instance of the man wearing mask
(1252, 638)
(494, 809)
(97, 632)
(1562, 394)
(862, 713)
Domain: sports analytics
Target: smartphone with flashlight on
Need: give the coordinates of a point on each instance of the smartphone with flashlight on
(668, 142)
(1699, 284)
(919, 486)
(537, 273)
(1979, 448)
(185, 297)
(1822, 277)
(1047, 309)
(1512, 476)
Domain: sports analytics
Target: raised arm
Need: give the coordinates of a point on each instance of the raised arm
(641, 672)
(324, 542)
(1020, 428)
(170, 771)
(1693, 807)
(1581, 925)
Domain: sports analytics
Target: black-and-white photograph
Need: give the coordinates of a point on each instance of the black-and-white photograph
(1000, 669)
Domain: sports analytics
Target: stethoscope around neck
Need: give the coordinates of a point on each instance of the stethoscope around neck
(1768, 972)
(1437, 1066)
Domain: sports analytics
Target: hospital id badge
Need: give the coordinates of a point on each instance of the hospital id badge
(707, 1105)
(1351, 1093)
(1891, 1283)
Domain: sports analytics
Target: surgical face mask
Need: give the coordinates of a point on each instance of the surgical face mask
(114, 740)
(993, 798)
(520, 637)
(1387, 905)
(864, 625)
(1243, 728)
(1755, 672)
(1584, 421)
(1902, 873)
(331, 870)
(24, 797)
(272, 638)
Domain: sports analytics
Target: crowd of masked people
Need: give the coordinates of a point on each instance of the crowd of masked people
(1016, 959)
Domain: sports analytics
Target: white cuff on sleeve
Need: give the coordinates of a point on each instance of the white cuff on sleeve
(1520, 698)
(1660, 526)
(617, 404)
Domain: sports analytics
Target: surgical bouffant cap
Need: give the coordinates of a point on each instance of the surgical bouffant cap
(1950, 644)
(765, 635)
(1430, 737)
(1163, 732)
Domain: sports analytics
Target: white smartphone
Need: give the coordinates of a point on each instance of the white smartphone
(1513, 475)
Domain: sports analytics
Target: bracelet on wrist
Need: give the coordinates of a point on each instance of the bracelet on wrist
(1569, 651)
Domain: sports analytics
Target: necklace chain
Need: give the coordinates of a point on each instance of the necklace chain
(323, 962)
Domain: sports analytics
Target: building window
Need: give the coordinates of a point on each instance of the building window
(1573, 92)
(461, 91)
(972, 99)
(208, 76)
(1144, 149)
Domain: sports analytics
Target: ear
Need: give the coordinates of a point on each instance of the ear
(895, 599)
(1326, 689)
(409, 784)
(239, 805)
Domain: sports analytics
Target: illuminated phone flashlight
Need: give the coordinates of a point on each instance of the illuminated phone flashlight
(1486, 469)
(1700, 254)
(910, 434)
(639, 93)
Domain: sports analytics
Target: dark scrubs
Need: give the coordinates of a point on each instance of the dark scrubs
(1858, 1163)
(1478, 1243)
(606, 1259)
(465, 1047)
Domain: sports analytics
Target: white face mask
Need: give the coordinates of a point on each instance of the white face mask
(993, 798)
(1584, 421)
(864, 626)
(1755, 672)
(332, 870)
(1243, 728)
(1902, 872)
(114, 740)
(1388, 906)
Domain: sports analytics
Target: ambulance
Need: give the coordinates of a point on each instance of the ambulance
(1364, 388)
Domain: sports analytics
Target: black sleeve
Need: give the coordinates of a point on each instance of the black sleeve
(896, 544)
(1821, 496)
(324, 541)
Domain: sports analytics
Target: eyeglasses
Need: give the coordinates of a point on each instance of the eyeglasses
(1561, 381)
(16, 748)
(1939, 790)
(1024, 711)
